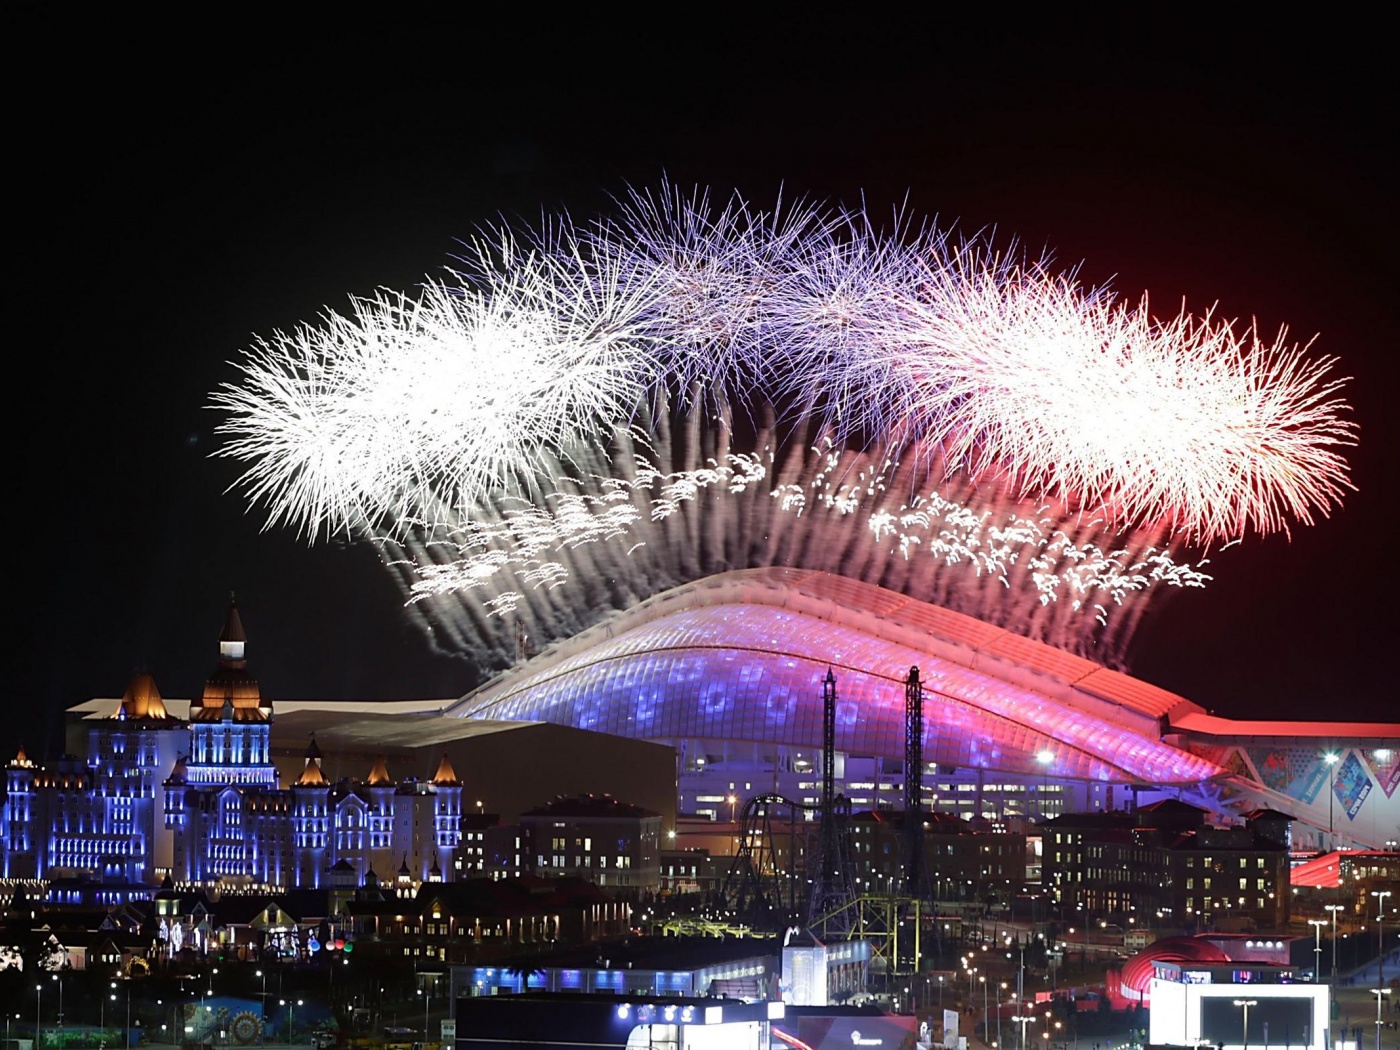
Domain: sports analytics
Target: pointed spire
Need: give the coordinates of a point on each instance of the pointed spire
(404, 873)
(379, 775)
(233, 640)
(180, 772)
(21, 760)
(445, 776)
(311, 775)
(142, 699)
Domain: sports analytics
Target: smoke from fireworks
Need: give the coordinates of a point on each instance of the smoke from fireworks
(581, 416)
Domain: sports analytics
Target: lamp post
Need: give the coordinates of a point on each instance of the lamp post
(1317, 925)
(58, 1017)
(1044, 757)
(1380, 896)
(1380, 994)
(1023, 1020)
(1246, 1003)
(262, 1010)
(38, 1014)
(1334, 908)
(291, 1015)
(426, 997)
(1331, 759)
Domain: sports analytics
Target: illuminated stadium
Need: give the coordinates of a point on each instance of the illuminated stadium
(728, 671)
(665, 447)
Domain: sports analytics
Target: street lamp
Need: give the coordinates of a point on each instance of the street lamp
(1246, 1003)
(1331, 759)
(426, 997)
(1380, 994)
(1023, 1020)
(986, 1028)
(1317, 925)
(1044, 758)
(38, 1014)
(291, 1015)
(262, 1009)
(1380, 896)
(1334, 908)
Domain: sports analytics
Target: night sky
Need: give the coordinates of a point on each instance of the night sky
(174, 196)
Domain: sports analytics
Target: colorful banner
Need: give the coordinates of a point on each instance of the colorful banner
(1351, 785)
(1298, 772)
(1385, 764)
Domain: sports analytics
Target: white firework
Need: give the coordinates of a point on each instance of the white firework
(988, 433)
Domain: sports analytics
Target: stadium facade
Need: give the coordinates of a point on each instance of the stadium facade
(727, 670)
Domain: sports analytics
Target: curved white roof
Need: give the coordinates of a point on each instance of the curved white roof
(740, 656)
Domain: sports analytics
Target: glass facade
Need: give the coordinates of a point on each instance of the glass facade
(752, 672)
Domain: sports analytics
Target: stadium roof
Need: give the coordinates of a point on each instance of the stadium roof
(741, 655)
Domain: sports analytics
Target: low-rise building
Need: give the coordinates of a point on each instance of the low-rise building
(1164, 864)
(614, 844)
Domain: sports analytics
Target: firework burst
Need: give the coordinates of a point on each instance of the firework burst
(550, 431)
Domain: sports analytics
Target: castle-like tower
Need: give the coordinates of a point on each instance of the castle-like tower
(220, 815)
(100, 817)
(222, 801)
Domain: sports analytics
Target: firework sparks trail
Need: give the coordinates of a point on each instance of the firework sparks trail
(553, 430)
(1019, 568)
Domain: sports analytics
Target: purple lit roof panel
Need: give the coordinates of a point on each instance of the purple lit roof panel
(754, 673)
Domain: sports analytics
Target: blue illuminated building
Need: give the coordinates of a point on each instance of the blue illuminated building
(200, 800)
(102, 816)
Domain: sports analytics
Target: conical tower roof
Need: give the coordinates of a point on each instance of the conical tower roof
(232, 633)
(142, 699)
(379, 775)
(21, 760)
(445, 776)
(311, 775)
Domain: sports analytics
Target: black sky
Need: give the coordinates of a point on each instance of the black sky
(175, 194)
